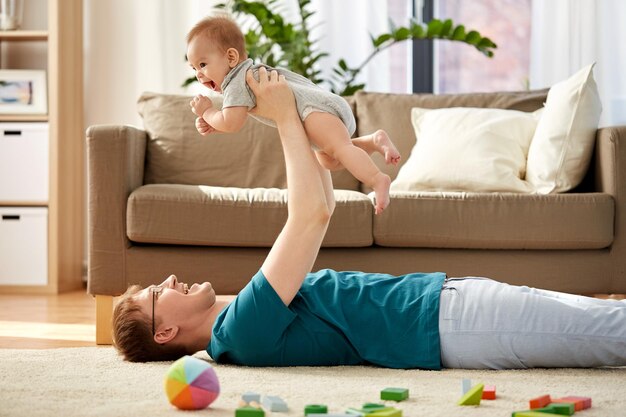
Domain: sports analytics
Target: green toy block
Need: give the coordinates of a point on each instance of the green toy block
(533, 413)
(393, 412)
(367, 411)
(373, 406)
(473, 396)
(394, 394)
(562, 409)
(248, 411)
(315, 409)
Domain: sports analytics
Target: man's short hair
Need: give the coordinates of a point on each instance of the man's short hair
(132, 333)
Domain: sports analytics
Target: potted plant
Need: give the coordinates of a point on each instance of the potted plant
(277, 43)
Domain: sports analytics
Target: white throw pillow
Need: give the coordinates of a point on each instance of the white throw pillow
(468, 149)
(561, 148)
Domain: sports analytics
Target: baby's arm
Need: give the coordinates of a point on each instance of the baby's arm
(230, 119)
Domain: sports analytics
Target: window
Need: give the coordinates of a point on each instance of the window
(459, 68)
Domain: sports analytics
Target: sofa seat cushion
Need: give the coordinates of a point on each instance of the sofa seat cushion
(225, 216)
(496, 221)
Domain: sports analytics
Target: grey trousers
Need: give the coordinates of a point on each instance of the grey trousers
(484, 324)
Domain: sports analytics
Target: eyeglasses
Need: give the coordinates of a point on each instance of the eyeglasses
(155, 291)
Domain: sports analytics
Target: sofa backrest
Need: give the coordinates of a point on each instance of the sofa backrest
(253, 157)
(392, 112)
(178, 154)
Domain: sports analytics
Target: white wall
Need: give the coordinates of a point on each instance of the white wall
(131, 47)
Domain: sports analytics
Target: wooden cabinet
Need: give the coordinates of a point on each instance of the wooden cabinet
(66, 176)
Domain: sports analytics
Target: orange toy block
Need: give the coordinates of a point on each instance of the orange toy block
(580, 403)
(489, 392)
(540, 402)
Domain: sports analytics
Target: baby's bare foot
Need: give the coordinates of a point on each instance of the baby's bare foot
(385, 146)
(381, 190)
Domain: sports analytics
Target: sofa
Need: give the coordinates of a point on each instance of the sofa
(162, 199)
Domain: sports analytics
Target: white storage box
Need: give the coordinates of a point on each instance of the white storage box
(24, 162)
(23, 245)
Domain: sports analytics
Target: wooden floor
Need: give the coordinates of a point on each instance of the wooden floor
(65, 320)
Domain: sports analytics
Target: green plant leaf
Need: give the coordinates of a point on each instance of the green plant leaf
(382, 39)
(459, 33)
(401, 34)
(446, 27)
(473, 38)
(434, 28)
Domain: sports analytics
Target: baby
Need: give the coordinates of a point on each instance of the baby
(216, 52)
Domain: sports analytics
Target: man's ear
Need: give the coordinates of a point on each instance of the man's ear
(233, 57)
(166, 335)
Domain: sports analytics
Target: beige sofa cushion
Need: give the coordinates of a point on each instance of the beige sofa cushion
(178, 154)
(224, 216)
(496, 221)
(392, 112)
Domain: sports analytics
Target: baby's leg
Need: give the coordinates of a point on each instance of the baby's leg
(379, 142)
(328, 162)
(329, 134)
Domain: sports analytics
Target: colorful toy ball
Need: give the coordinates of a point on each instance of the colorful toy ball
(191, 384)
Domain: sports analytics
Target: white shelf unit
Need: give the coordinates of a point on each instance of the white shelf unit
(64, 207)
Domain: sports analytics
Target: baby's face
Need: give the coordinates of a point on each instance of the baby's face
(209, 62)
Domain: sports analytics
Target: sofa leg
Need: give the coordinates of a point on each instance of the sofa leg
(104, 316)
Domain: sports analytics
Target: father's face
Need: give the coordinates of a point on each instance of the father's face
(176, 303)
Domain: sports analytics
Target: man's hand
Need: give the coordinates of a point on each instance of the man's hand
(274, 99)
(199, 104)
(203, 127)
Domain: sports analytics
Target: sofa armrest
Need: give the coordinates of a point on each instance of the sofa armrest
(115, 167)
(610, 177)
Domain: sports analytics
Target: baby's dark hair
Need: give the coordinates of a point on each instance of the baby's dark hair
(223, 31)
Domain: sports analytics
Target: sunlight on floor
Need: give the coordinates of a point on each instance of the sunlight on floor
(50, 331)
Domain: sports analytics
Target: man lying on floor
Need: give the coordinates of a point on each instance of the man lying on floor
(289, 316)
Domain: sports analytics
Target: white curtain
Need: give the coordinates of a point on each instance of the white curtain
(343, 29)
(569, 34)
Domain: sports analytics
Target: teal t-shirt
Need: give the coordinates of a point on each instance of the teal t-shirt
(337, 318)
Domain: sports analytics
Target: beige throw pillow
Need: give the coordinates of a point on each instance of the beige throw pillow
(561, 148)
(468, 149)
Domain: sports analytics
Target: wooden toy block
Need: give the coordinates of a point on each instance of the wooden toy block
(394, 394)
(274, 403)
(540, 402)
(251, 396)
(334, 415)
(473, 396)
(393, 412)
(533, 413)
(580, 403)
(373, 406)
(466, 385)
(562, 409)
(354, 412)
(315, 409)
(489, 392)
(248, 411)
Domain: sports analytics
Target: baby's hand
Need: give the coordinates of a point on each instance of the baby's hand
(200, 104)
(203, 127)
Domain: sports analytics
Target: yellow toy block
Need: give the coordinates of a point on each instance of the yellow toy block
(473, 396)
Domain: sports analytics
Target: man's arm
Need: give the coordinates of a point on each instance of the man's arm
(296, 247)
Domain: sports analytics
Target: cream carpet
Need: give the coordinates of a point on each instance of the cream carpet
(94, 381)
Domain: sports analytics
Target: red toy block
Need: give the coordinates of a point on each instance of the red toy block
(489, 392)
(580, 403)
(540, 402)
